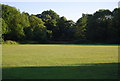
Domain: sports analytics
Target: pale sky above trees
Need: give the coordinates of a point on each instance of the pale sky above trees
(71, 10)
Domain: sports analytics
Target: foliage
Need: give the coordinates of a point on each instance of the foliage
(81, 26)
(115, 29)
(9, 42)
(64, 29)
(50, 18)
(101, 27)
(37, 30)
(4, 26)
(15, 21)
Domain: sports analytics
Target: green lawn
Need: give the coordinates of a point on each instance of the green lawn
(60, 62)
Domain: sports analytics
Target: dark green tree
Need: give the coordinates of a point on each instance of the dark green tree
(4, 26)
(101, 27)
(98, 25)
(115, 29)
(59, 29)
(81, 26)
(64, 29)
(15, 21)
(50, 18)
(37, 30)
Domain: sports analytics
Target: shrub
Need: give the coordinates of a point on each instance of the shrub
(10, 42)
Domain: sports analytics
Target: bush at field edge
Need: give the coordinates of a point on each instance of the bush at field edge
(10, 42)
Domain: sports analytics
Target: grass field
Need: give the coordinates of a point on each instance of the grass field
(60, 62)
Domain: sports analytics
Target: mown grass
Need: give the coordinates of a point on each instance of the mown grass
(60, 62)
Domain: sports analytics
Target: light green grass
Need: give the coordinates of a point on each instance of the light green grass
(56, 55)
(59, 56)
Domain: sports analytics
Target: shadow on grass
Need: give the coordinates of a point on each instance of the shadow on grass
(65, 43)
(90, 71)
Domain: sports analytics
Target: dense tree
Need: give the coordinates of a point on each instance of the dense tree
(50, 18)
(98, 26)
(49, 34)
(37, 30)
(81, 26)
(101, 27)
(69, 30)
(4, 26)
(59, 29)
(115, 36)
(15, 21)
(64, 29)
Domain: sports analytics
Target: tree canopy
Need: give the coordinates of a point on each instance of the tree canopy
(101, 27)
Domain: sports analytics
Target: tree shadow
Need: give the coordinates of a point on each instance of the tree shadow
(88, 71)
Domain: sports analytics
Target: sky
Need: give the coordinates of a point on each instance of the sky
(71, 10)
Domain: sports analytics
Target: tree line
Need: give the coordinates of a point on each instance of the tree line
(48, 27)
